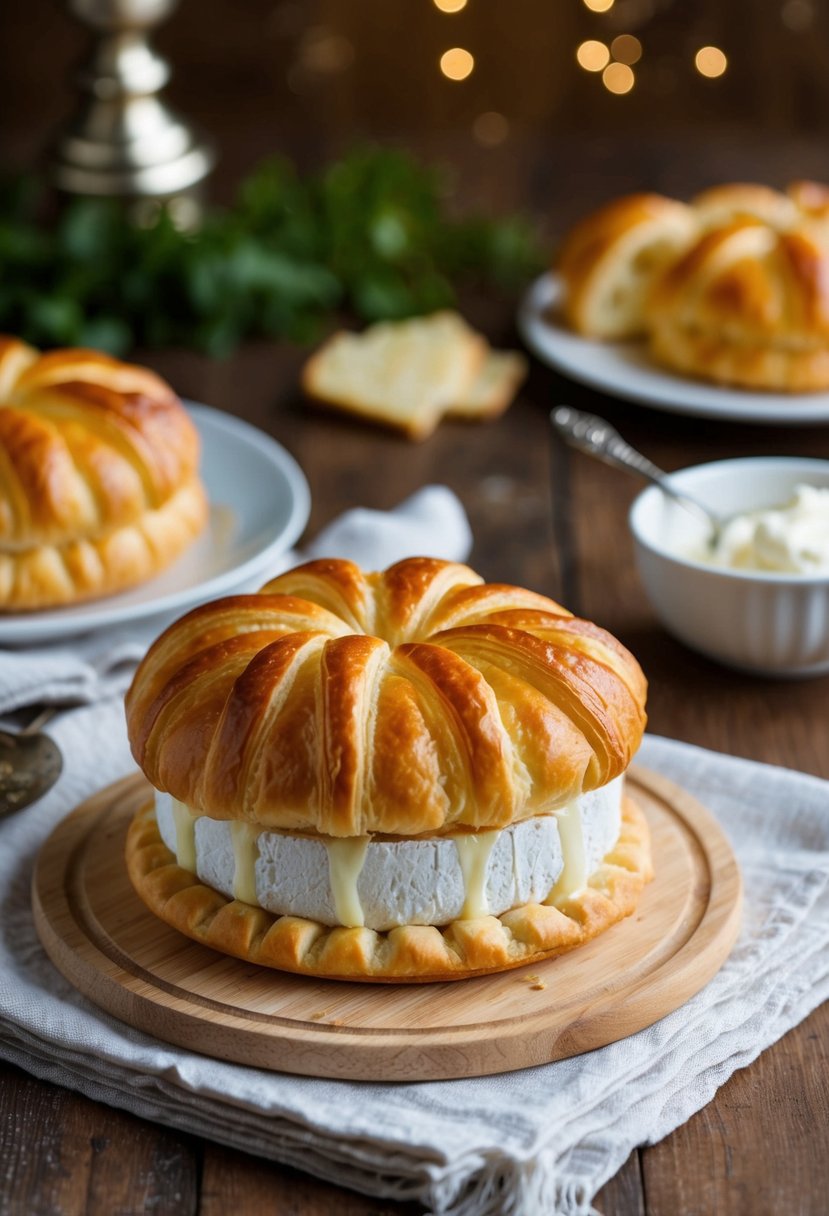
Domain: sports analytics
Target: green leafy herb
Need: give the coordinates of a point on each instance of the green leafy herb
(370, 235)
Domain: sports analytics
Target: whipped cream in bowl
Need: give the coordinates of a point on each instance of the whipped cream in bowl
(756, 598)
(788, 538)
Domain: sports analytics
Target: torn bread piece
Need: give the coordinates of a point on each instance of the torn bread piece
(409, 374)
(494, 388)
(405, 374)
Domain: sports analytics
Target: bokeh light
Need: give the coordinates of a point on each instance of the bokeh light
(797, 15)
(325, 52)
(450, 6)
(626, 48)
(599, 6)
(457, 63)
(618, 78)
(490, 129)
(593, 56)
(710, 61)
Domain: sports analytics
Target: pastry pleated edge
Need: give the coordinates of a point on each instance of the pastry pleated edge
(410, 953)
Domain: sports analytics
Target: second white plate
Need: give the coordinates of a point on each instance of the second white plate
(624, 369)
(259, 505)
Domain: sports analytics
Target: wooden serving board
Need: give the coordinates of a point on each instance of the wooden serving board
(99, 934)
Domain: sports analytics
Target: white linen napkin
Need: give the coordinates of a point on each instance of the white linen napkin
(534, 1143)
(89, 668)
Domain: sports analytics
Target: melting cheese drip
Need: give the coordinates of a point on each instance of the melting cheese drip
(185, 825)
(345, 862)
(245, 853)
(573, 876)
(473, 854)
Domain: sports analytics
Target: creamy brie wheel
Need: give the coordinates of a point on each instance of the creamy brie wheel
(384, 883)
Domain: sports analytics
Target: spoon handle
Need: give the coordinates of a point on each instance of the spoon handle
(40, 719)
(593, 435)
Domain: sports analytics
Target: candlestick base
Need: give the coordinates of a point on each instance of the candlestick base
(125, 141)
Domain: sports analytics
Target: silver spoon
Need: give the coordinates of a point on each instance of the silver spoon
(593, 435)
(30, 764)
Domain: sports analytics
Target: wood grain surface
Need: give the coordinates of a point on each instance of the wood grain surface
(758, 1149)
(114, 950)
(541, 516)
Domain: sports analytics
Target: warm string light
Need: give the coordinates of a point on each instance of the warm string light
(457, 63)
(593, 56)
(449, 6)
(322, 52)
(626, 49)
(490, 129)
(797, 15)
(599, 6)
(710, 61)
(325, 52)
(613, 62)
(618, 78)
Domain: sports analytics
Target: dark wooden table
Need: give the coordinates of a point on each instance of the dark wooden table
(760, 1145)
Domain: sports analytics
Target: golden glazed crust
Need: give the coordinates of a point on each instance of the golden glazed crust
(402, 702)
(609, 259)
(412, 953)
(747, 305)
(99, 484)
(810, 198)
(723, 204)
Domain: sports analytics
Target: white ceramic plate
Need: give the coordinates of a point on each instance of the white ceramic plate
(624, 369)
(259, 504)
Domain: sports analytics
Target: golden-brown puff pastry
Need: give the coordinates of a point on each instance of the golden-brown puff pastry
(747, 305)
(608, 261)
(99, 486)
(342, 705)
(811, 198)
(403, 702)
(721, 205)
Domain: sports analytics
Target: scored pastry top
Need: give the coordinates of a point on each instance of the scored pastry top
(729, 201)
(609, 259)
(750, 283)
(87, 445)
(403, 702)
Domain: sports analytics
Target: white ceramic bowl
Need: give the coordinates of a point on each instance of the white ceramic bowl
(775, 624)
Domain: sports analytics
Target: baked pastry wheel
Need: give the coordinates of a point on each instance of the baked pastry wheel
(812, 202)
(609, 260)
(409, 775)
(99, 485)
(747, 305)
(721, 205)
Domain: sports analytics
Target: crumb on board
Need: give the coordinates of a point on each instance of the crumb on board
(322, 1015)
(535, 982)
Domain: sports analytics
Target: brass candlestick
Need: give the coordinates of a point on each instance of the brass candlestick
(124, 139)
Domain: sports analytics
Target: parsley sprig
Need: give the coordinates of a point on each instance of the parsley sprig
(371, 235)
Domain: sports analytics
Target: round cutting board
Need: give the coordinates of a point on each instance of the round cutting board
(100, 935)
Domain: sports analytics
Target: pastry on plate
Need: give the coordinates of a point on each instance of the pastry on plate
(609, 260)
(812, 201)
(747, 305)
(723, 204)
(409, 775)
(99, 484)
